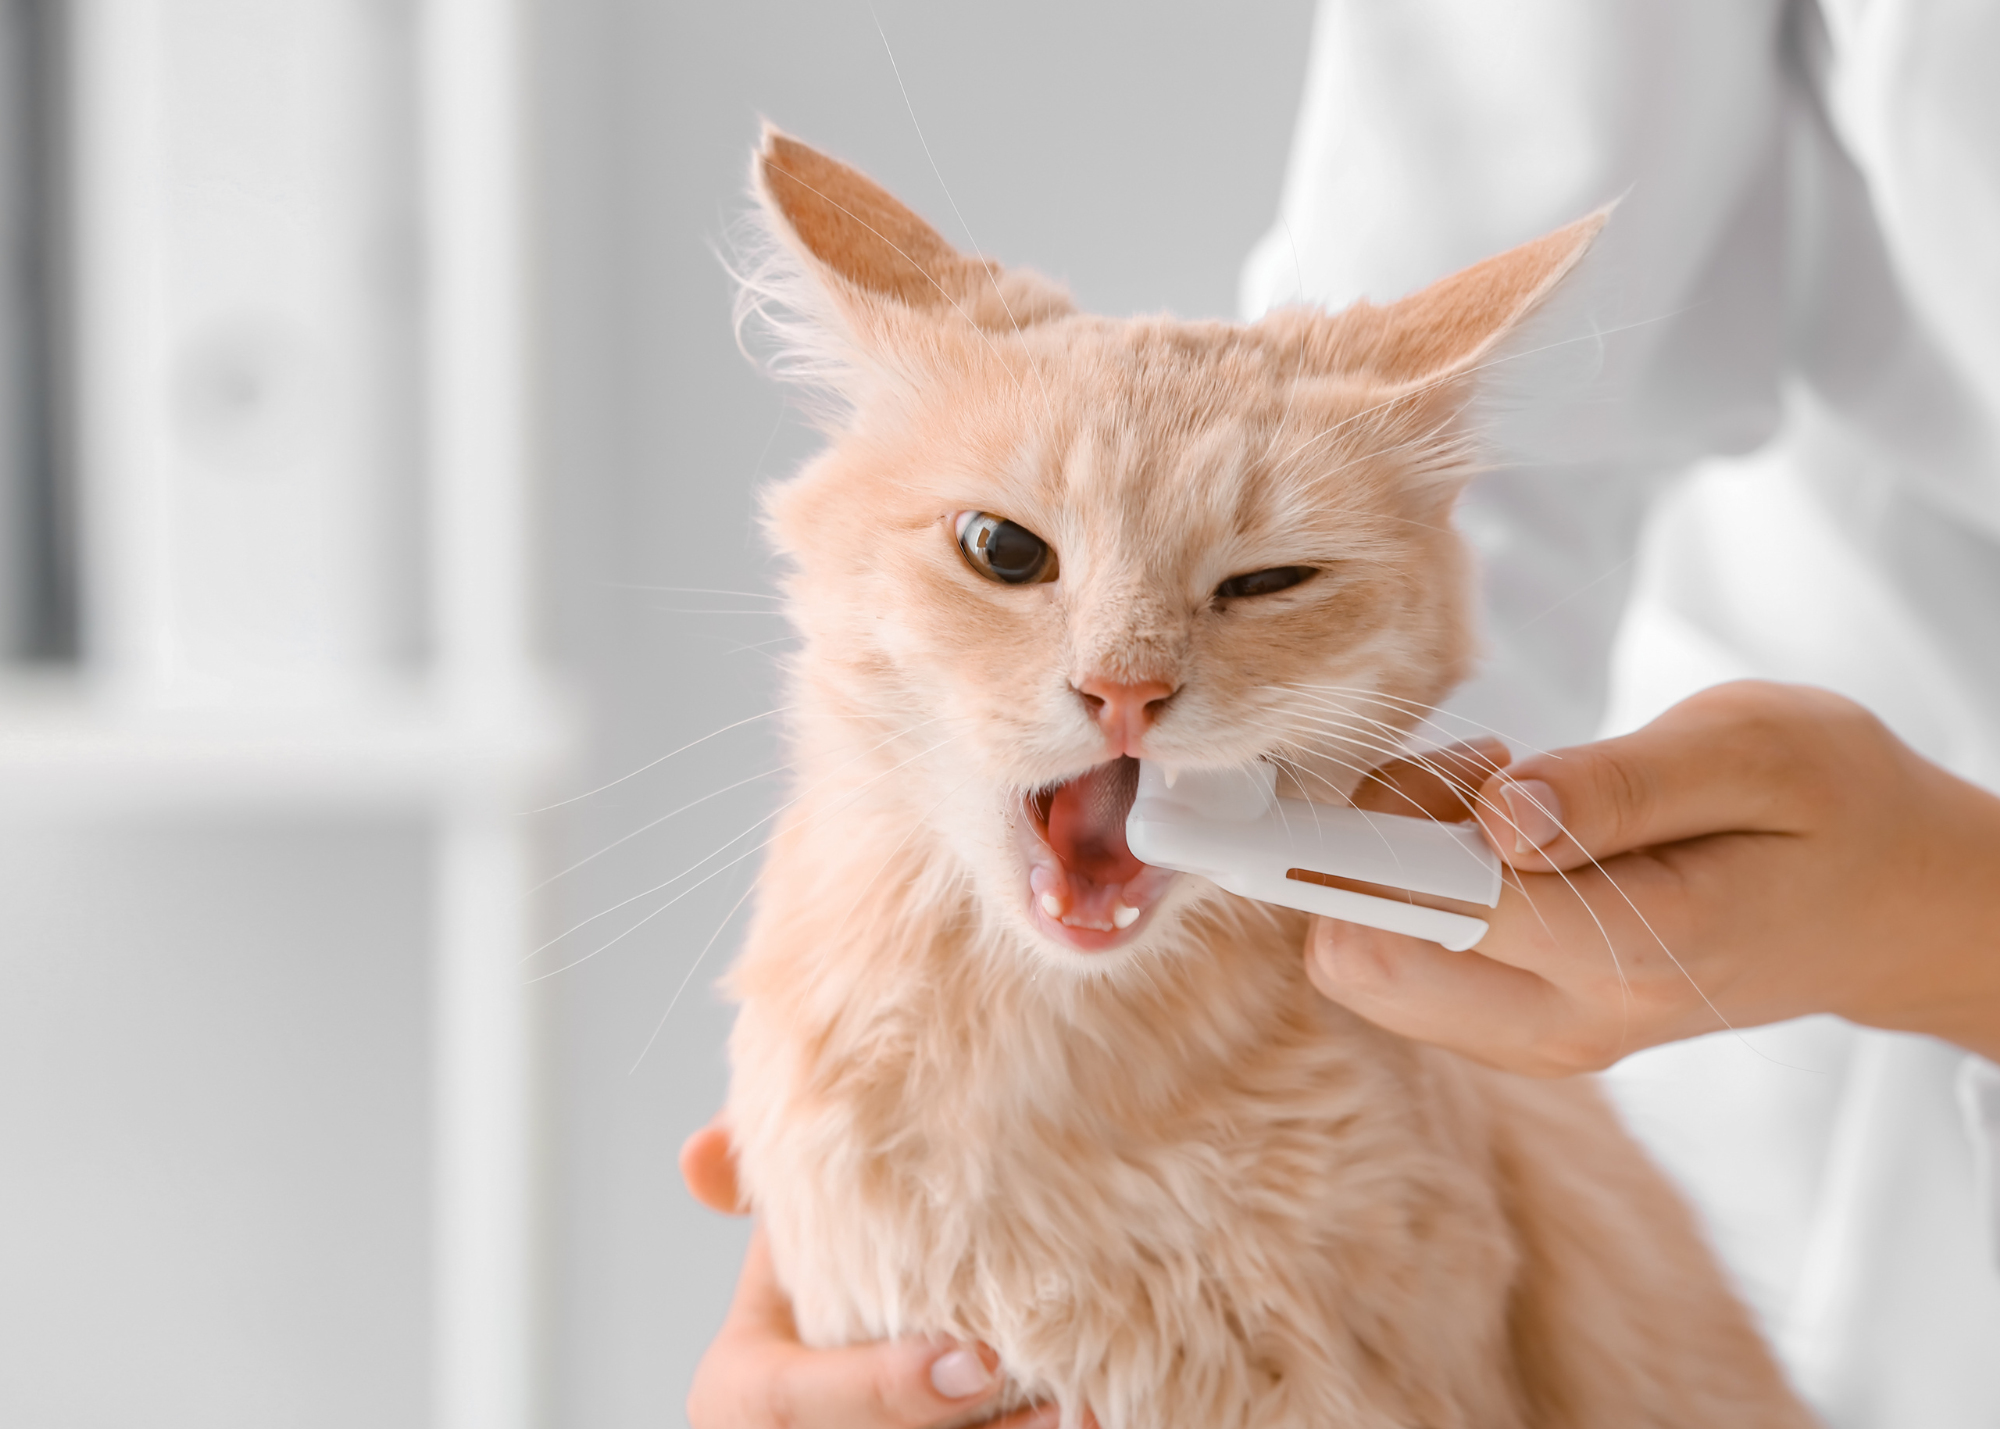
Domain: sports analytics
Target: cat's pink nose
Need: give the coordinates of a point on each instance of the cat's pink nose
(1124, 711)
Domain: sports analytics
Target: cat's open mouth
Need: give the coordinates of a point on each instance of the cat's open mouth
(1085, 888)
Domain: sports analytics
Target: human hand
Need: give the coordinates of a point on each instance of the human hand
(756, 1374)
(1758, 852)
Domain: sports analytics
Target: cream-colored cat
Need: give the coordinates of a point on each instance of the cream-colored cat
(997, 1080)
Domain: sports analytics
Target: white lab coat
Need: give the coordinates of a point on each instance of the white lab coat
(1772, 448)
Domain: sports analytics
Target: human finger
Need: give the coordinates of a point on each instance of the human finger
(708, 1166)
(897, 1384)
(1731, 759)
(757, 1375)
(1438, 784)
(1499, 1014)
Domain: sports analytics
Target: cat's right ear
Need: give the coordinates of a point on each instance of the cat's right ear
(851, 257)
(1449, 329)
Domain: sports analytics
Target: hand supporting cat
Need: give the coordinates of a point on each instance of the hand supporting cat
(756, 1374)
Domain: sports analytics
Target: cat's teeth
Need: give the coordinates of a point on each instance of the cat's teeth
(1124, 917)
(1052, 905)
(1086, 923)
(1170, 774)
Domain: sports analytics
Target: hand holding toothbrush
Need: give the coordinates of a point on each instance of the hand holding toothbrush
(1758, 852)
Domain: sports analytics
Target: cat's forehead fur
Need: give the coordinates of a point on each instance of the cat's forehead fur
(1157, 458)
(1171, 450)
(918, 341)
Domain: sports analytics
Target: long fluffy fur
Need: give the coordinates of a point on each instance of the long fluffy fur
(1170, 1184)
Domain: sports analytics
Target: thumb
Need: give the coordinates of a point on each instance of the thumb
(757, 1373)
(708, 1165)
(1714, 763)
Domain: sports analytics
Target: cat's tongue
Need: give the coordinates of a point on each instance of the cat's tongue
(1085, 887)
(1087, 823)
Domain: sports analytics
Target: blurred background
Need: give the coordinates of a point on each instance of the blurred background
(377, 491)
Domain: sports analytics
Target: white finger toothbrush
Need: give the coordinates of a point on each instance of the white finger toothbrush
(1232, 828)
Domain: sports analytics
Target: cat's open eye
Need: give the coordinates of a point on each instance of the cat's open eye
(1002, 551)
(1263, 582)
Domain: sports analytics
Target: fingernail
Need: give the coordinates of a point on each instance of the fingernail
(960, 1374)
(1535, 811)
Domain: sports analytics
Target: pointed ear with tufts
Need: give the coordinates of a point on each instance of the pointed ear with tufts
(1419, 363)
(869, 251)
(1449, 328)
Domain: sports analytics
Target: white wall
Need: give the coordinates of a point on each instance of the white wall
(214, 1179)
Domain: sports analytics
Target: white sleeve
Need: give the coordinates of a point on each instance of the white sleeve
(1979, 1104)
(1436, 132)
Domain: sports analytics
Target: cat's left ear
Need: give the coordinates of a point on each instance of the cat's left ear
(878, 261)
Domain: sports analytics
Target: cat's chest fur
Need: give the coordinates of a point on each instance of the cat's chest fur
(1208, 1192)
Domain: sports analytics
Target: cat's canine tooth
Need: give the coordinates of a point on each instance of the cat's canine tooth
(1124, 917)
(1052, 905)
(1170, 774)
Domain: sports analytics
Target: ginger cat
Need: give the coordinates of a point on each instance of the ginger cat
(995, 1079)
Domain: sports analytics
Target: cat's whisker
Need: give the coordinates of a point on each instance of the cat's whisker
(758, 645)
(652, 824)
(1393, 748)
(1427, 714)
(688, 976)
(1292, 773)
(654, 763)
(736, 646)
(1294, 769)
(745, 647)
(620, 937)
(1397, 751)
(687, 590)
(1388, 736)
(1416, 805)
(992, 277)
(717, 873)
(717, 793)
(775, 813)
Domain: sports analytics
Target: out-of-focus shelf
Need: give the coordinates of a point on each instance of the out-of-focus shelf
(65, 747)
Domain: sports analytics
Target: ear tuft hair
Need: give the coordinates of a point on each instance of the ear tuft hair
(843, 274)
(1416, 359)
(1455, 323)
(853, 227)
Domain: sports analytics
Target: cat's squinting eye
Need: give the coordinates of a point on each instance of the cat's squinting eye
(1002, 551)
(1269, 582)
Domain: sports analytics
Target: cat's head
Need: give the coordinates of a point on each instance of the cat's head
(1042, 543)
